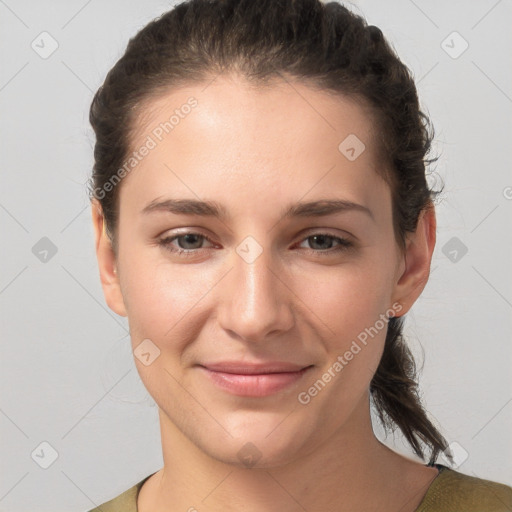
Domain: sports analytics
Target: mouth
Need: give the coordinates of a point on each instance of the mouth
(253, 380)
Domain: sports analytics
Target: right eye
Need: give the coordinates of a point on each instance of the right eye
(192, 238)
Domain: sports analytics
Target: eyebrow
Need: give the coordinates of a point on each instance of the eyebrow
(319, 208)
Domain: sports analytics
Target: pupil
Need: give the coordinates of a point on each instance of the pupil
(320, 238)
(189, 238)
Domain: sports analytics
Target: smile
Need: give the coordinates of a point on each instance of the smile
(255, 384)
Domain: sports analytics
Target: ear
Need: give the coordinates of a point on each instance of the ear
(106, 262)
(415, 266)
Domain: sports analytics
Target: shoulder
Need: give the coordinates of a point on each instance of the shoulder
(452, 491)
(125, 502)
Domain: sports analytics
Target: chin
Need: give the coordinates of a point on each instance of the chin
(260, 443)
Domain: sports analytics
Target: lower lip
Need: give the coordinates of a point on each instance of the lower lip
(263, 384)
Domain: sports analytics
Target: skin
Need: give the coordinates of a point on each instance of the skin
(256, 150)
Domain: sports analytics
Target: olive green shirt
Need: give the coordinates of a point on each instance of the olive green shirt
(450, 491)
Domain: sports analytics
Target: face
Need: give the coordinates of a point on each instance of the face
(258, 305)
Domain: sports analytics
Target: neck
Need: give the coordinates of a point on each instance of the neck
(350, 471)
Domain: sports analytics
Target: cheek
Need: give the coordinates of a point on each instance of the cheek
(165, 302)
(340, 300)
(351, 307)
(162, 305)
(354, 307)
(158, 298)
(346, 299)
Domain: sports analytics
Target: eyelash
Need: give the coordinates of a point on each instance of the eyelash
(343, 245)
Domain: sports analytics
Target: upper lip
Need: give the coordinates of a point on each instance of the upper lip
(241, 367)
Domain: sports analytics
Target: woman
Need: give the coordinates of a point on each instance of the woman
(263, 220)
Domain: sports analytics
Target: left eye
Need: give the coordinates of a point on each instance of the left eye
(320, 239)
(196, 239)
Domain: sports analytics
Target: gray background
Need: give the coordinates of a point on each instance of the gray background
(67, 372)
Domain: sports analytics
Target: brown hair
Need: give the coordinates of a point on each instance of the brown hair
(324, 45)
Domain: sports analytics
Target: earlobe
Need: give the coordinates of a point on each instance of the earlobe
(107, 264)
(415, 266)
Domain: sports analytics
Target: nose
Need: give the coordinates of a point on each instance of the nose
(256, 299)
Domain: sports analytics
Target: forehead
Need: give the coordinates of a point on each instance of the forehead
(229, 135)
(227, 102)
